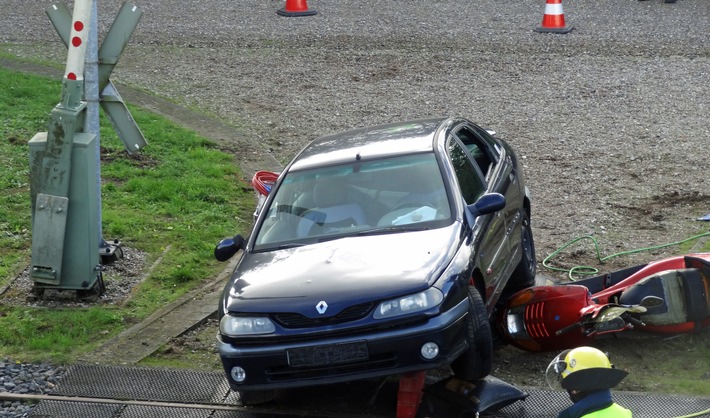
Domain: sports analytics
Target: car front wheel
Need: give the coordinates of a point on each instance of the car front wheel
(477, 361)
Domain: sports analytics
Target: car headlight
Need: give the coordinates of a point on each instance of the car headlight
(235, 326)
(515, 322)
(409, 304)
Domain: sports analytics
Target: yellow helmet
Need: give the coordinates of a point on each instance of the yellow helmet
(583, 369)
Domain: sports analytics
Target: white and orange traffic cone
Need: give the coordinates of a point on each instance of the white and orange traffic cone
(296, 8)
(554, 19)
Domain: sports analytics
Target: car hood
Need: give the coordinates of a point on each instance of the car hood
(341, 273)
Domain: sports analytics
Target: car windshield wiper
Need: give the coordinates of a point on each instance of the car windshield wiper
(391, 230)
(290, 245)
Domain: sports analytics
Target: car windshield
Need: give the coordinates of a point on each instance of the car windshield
(381, 196)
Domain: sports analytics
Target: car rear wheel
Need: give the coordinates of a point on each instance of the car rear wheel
(524, 273)
(256, 397)
(475, 363)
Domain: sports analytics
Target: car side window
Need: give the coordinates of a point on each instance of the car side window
(477, 148)
(470, 182)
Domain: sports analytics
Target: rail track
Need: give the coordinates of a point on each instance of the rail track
(91, 391)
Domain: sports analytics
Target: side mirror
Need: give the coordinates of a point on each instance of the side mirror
(226, 248)
(488, 203)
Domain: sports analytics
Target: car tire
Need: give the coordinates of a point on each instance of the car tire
(256, 397)
(477, 361)
(524, 273)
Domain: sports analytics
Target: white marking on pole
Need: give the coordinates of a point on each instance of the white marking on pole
(78, 40)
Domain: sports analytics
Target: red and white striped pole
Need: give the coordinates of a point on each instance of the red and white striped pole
(78, 40)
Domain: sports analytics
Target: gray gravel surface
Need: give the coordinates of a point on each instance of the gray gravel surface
(611, 120)
(34, 379)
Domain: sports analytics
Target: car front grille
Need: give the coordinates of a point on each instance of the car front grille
(294, 320)
(282, 374)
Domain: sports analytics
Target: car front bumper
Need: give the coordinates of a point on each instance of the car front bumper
(347, 358)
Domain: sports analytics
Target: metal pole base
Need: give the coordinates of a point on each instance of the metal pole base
(110, 251)
(93, 294)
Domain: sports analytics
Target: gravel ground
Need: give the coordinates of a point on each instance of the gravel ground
(120, 279)
(35, 379)
(612, 120)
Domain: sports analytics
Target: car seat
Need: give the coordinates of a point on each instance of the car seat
(424, 187)
(333, 210)
(684, 293)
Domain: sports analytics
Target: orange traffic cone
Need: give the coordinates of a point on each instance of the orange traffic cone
(554, 19)
(296, 8)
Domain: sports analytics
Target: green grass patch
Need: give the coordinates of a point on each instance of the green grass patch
(679, 364)
(179, 191)
(24, 110)
(39, 334)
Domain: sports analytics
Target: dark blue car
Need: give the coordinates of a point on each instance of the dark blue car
(379, 251)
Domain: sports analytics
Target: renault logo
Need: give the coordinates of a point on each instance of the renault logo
(321, 307)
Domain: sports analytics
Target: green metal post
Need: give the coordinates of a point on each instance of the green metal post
(65, 188)
(63, 182)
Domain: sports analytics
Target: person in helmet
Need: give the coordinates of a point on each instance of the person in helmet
(588, 376)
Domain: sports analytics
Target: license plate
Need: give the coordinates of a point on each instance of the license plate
(324, 355)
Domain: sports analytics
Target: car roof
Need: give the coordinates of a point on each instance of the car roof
(372, 142)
